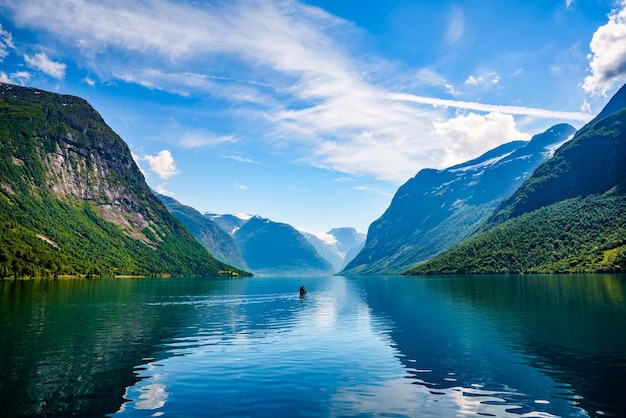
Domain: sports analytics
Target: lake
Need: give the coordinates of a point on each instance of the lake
(501, 346)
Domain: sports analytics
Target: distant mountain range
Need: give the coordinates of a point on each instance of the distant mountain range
(339, 245)
(569, 216)
(273, 248)
(207, 232)
(73, 201)
(437, 209)
(276, 248)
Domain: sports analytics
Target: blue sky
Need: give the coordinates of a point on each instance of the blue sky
(314, 112)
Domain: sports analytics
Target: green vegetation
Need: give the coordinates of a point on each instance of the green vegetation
(573, 236)
(569, 216)
(591, 163)
(61, 169)
(206, 232)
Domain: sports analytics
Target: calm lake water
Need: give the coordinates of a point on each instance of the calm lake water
(500, 346)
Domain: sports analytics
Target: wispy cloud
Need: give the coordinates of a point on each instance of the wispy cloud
(188, 137)
(240, 159)
(368, 189)
(488, 79)
(481, 107)
(42, 63)
(18, 77)
(286, 67)
(456, 24)
(6, 43)
(607, 59)
(196, 139)
(89, 81)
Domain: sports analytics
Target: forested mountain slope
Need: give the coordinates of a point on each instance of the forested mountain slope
(73, 201)
(569, 216)
(274, 248)
(437, 209)
(208, 233)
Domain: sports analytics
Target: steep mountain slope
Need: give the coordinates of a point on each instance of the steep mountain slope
(570, 216)
(437, 209)
(228, 223)
(212, 237)
(592, 164)
(73, 201)
(339, 245)
(277, 248)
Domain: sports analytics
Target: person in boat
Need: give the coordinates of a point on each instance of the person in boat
(302, 291)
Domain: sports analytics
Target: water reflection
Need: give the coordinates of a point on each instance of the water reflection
(69, 347)
(495, 346)
(269, 353)
(554, 343)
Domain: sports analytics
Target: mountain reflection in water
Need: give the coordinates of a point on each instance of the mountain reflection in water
(402, 346)
(484, 331)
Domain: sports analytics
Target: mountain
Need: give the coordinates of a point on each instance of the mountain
(73, 201)
(339, 245)
(569, 216)
(208, 233)
(278, 249)
(437, 209)
(228, 223)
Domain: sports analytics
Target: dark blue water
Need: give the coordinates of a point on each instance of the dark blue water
(393, 346)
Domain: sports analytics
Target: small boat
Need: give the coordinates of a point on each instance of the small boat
(302, 291)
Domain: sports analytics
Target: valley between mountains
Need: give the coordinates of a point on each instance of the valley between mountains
(74, 203)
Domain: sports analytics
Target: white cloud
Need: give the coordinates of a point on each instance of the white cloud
(456, 25)
(315, 102)
(240, 159)
(471, 135)
(89, 81)
(190, 138)
(607, 59)
(6, 43)
(42, 63)
(19, 77)
(162, 189)
(137, 160)
(481, 107)
(585, 107)
(162, 164)
(240, 186)
(152, 396)
(490, 78)
(324, 101)
(196, 139)
(430, 77)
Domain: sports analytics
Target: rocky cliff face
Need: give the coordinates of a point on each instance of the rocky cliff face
(437, 209)
(67, 179)
(83, 172)
(568, 217)
(592, 163)
(83, 159)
